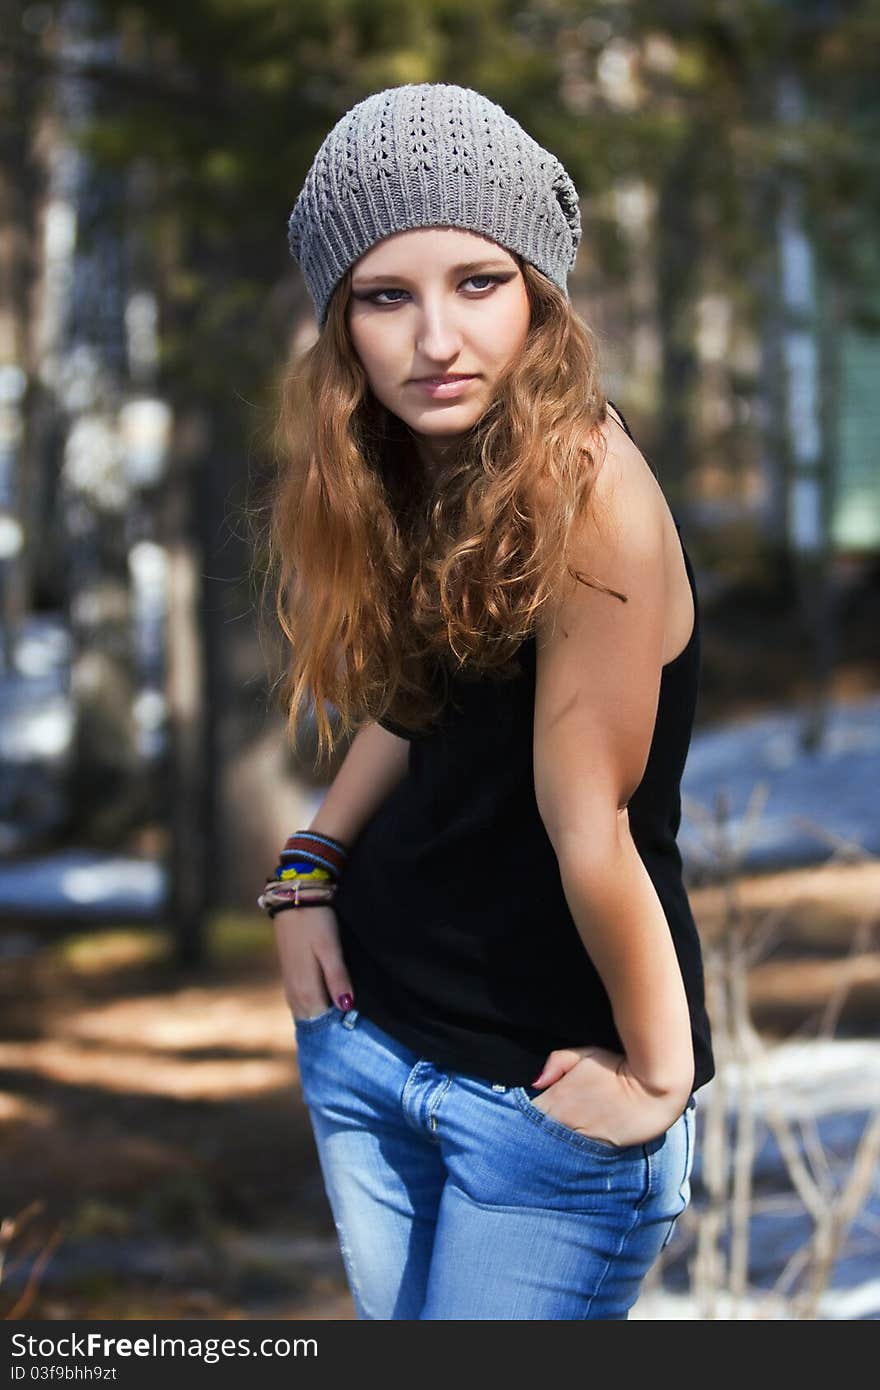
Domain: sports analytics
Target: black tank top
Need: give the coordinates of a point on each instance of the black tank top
(453, 921)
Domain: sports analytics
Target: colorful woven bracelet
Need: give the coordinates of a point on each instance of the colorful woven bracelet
(309, 870)
(307, 849)
(280, 897)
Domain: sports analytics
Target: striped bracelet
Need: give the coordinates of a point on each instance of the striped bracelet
(308, 849)
(309, 870)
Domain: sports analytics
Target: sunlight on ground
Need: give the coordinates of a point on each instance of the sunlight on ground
(231, 937)
(95, 952)
(163, 1044)
(826, 903)
(191, 1042)
(21, 1110)
(157, 1110)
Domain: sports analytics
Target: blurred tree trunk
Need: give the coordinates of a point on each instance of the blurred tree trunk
(677, 289)
(805, 413)
(20, 189)
(190, 819)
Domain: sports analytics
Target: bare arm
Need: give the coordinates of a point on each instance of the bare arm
(598, 681)
(309, 951)
(375, 762)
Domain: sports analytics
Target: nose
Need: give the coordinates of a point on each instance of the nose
(438, 338)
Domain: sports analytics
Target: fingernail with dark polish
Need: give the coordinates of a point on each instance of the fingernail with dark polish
(345, 1001)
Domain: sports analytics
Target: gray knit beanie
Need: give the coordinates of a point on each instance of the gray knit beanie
(423, 155)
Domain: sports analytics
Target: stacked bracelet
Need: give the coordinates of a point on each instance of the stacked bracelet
(307, 874)
(307, 849)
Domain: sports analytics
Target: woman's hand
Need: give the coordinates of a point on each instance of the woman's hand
(311, 960)
(595, 1092)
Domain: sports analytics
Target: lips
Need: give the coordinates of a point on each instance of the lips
(442, 380)
(445, 388)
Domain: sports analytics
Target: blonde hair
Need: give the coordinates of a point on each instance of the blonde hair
(382, 575)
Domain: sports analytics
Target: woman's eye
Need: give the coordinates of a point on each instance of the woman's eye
(374, 298)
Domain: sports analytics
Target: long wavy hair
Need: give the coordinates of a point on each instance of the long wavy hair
(384, 575)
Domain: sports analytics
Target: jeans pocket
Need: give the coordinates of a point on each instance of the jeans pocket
(555, 1128)
(305, 1025)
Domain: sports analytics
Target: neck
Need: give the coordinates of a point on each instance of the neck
(434, 453)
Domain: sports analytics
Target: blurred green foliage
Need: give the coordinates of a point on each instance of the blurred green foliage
(229, 100)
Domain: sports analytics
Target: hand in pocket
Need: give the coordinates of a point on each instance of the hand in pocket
(313, 971)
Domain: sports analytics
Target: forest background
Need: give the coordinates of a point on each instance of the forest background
(727, 158)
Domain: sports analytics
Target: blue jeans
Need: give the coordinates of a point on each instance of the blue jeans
(456, 1198)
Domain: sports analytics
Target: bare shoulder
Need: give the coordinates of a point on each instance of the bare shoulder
(625, 522)
(600, 647)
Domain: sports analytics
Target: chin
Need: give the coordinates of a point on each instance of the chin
(439, 415)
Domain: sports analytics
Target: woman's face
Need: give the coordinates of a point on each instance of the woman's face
(435, 302)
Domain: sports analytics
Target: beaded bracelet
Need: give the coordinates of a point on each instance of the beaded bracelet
(281, 897)
(308, 873)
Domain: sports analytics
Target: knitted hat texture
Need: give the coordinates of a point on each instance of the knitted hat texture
(423, 155)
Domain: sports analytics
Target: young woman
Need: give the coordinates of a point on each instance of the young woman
(489, 953)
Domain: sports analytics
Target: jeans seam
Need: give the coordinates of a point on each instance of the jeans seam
(438, 1100)
(690, 1138)
(549, 1212)
(411, 1082)
(612, 1260)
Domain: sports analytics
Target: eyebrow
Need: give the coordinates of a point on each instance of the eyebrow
(467, 268)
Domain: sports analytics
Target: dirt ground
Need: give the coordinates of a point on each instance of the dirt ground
(156, 1159)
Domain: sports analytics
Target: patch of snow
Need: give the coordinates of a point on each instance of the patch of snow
(83, 880)
(844, 1305)
(812, 1076)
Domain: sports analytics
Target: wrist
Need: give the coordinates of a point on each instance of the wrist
(308, 873)
(669, 1083)
(660, 1056)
